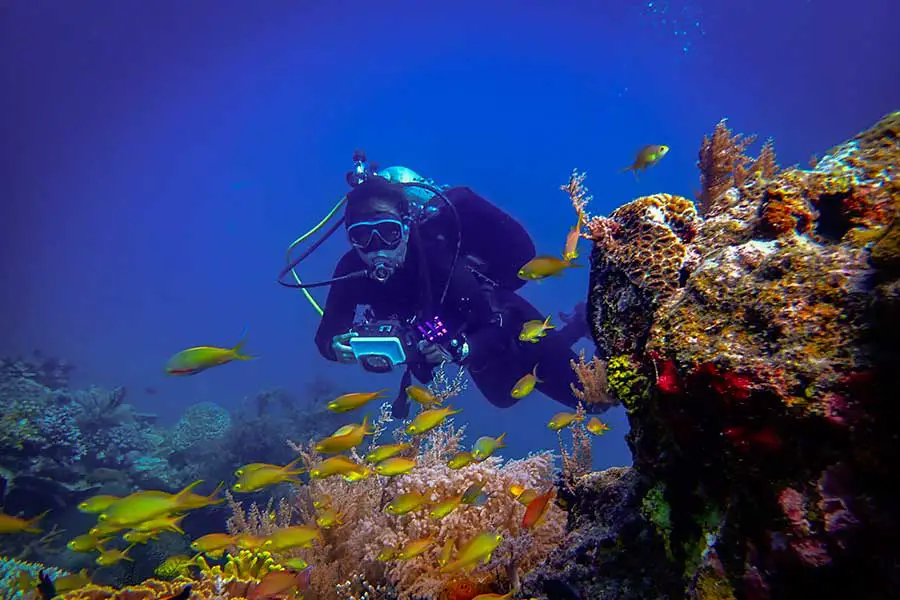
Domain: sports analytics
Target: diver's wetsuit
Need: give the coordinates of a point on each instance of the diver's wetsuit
(491, 315)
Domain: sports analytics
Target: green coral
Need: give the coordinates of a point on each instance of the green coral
(656, 509)
(625, 382)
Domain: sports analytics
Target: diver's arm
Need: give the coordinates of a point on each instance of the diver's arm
(340, 307)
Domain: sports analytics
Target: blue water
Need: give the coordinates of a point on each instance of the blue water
(158, 157)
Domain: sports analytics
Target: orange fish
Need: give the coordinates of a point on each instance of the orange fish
(537, 509)
(200, 358)
(276, 583)
(570, 250)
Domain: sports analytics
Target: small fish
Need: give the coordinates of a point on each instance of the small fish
(140, 537)
(328, 518)
(323, 501)
(446, 552)
(85, 543)
(541, 267)
(406, 503)
(395, 466)
(178, 565)
(386, 555)
(429, 419)
(11, 524)
(479, 549)
(295, 536)
(461, 460)
(200, 358)
(414, 548)
(596, 426)
(505, 596)
(262, 477)
(253, 467)
(527, 496)
(525, 385)
(250, 542)
(515, 490)
(445, 507)
(537, 509)
(422, 395)
(352, 401)
(533, 331)
(647, 157)
(358, 474)
(570, 249)
(384, 452)
(213, 544)
(297, 564)
(334, 465)
(348, 436)
(277, 583)
(564, 419)
(69, 583)
(112, 556)
(472, 493)
(97, 504)
(159, 524)
(485, 446)
(192, 501)
(144, 505)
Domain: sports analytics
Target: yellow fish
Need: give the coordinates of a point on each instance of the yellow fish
(112, 556)
(159, 524)
(429, 419)
(461, 460)
(525, 385)
(11, 524)
(85, 543)
(298, 564)
(422, 395)
(395, 466)
(405, 503)
(105, 529)
(327, 519)
(348, 436)
(194, 501)
(386, 554)
(414, 548)
(335, 465)
(526, 497)
(445, 507)
(533, 331)
(200, 358)
(384, 452)
(349, 402)
(359, 474)
(478, 549)
(69, 583)
(97, 504)
(541, 267)
(140, 537)
(143, 506)
(564, 419)
(259, 478)
(178, 565)
(647, 157)
(296, 536)
(486, 445)
(213, 542)
(247, 541)
(570, 250)
(596, 426)
(446, 552)
(253, 467)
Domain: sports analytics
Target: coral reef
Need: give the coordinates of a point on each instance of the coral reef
(752, 348)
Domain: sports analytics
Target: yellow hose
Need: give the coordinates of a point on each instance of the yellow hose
(300, 240)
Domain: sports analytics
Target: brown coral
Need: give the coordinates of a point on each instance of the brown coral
(722, 164)
(647, 238)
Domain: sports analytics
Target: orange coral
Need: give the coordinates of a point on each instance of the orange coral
(784, 210)
(722, 164)
(648, 238)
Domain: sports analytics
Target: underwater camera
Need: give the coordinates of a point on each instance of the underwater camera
(380, 345)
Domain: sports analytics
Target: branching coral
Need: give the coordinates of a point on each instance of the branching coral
(579, 460)
(592, 382)
(722, 164)
(350, 549)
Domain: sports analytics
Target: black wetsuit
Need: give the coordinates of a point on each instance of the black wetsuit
(490, 313)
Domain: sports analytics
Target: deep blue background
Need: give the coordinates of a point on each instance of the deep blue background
(157, 157)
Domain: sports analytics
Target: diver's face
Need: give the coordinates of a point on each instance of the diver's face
(380, 242)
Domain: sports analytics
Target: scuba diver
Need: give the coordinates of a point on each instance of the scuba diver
(432, 278)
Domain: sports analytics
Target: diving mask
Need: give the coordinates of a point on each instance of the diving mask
(389, 231)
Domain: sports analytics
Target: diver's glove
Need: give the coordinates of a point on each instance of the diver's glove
(433, 353)
(342, 350)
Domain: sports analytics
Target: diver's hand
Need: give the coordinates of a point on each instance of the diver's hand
(433, 353)
(342, 350)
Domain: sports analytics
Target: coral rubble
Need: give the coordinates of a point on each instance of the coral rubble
(752, 346)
